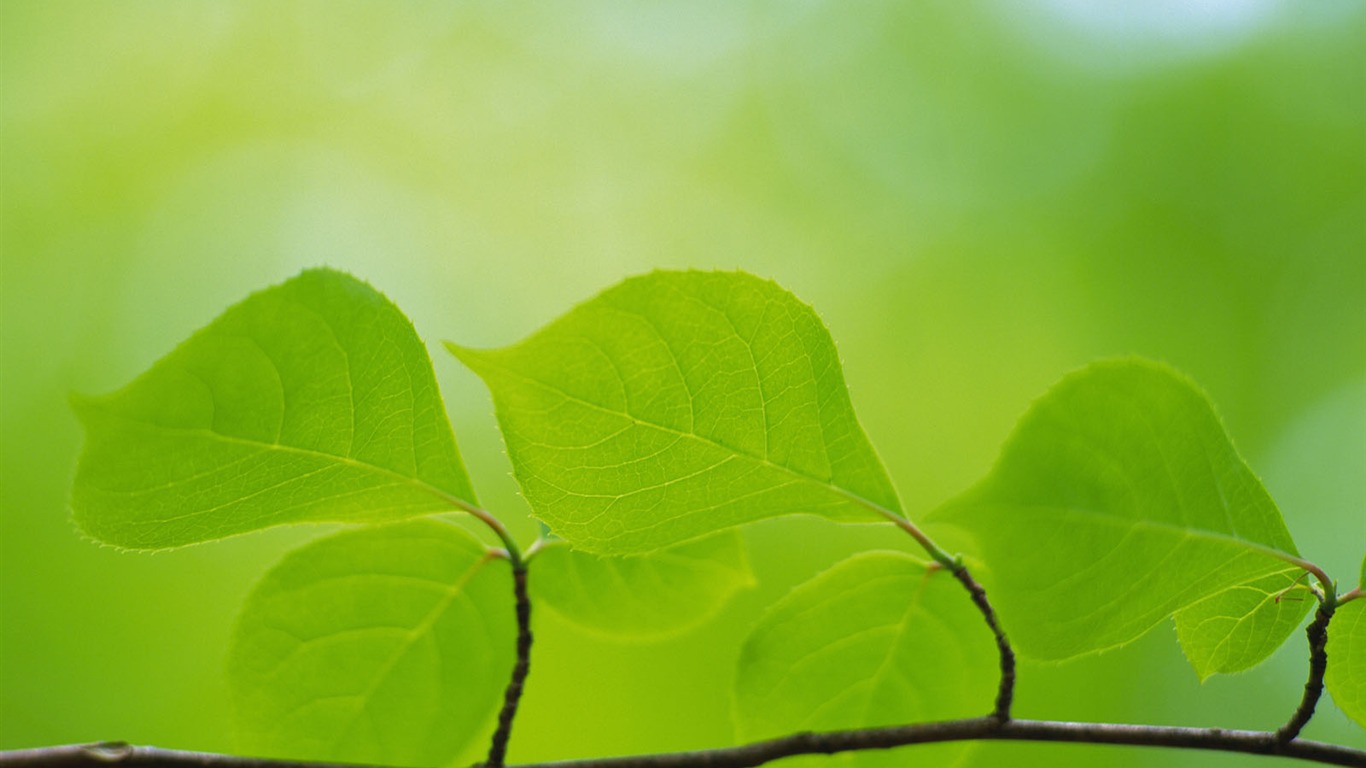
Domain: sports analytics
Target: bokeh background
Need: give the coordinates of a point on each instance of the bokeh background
(977, 196)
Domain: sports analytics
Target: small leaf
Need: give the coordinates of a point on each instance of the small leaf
(642, 597)
(1240, 627)
(1346, 676)
(1118, 501)
(383, 646)
(310, 401)
(677, 404)
(877, 640)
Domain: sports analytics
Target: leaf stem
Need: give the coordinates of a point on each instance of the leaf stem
(1317, 633)
(494, 524)
(901, 521)
(513, 695)
(1324, 580)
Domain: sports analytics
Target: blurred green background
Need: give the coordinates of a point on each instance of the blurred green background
(977, 196)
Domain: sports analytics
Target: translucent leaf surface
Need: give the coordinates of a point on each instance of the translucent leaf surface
(1118, 501)
(876, 640)
(313, 400)
(642, 597)
(1346, 676)
(1241, 626)
(387, 646)
(677, 404)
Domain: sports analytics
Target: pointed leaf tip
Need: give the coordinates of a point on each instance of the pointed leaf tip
(313, 400)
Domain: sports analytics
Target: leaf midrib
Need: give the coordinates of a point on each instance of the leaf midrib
(839, 490)
(1121, 521)
(445, 497)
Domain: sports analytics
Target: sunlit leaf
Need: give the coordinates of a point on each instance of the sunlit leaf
(677, 404)
(879, 639)
(1346, 676)
(313, 400)
(1241, 626)
(1118, 501)
(387, 646)
(642, 597)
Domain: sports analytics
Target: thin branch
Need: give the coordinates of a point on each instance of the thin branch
(513, 696)
(1005, 692)
(984, 729)
(1318, 665)
(761, 752)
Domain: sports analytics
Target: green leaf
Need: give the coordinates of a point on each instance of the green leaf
(642, 597)
(677, 404)
(1346, 676)
(1118, 501)
(384, 646)
(879, 639)
(1238, 628)
(310, 401)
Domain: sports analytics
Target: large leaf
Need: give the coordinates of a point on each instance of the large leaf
(387, 646)
(642, 597)
(1346, 676)
(313, 400)
(1239, 627)
(1118, 501)
(879, 639)
(677, 404)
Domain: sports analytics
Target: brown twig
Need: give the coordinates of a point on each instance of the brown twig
(513, 695)
(1005, 692)
(761, 752)
(1318, 666)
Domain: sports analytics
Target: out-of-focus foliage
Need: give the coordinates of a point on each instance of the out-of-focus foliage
(978, 199)
(388, 645)
(837, 653)
(646, 597)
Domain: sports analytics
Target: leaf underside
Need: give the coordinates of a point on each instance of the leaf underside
(1117, 502)
(382, 645)
(1346, 676)
(1236, 629)
(313, 400)
(642, 597)
(677, 404)
(876, 640)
